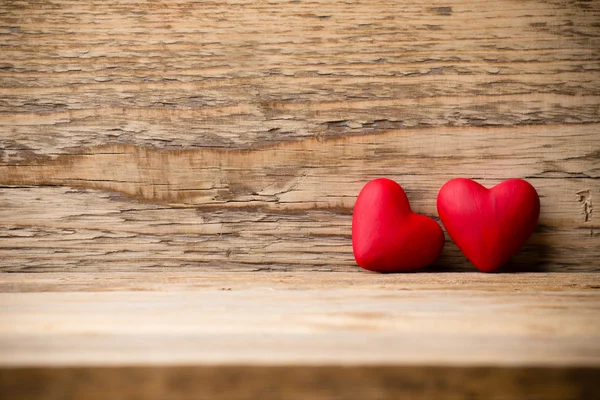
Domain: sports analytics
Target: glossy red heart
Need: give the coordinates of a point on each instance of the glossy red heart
(488, 225)
(387, 236)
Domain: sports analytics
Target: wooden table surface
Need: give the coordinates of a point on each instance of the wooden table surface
(300, 318)
(300, 335)
(177, 181)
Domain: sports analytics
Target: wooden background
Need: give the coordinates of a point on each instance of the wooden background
(141, 135)
(177, 179)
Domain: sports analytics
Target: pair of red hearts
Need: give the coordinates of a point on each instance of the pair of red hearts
(488, 225)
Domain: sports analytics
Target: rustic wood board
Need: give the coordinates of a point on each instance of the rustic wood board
(211, 142)
(295, 335)
(143, 135)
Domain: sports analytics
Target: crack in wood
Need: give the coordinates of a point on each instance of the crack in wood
(585, 199)
(303, 174)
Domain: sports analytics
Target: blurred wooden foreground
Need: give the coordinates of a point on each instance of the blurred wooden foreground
(299, 335)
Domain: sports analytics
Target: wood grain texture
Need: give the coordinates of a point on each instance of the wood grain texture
(351, 335)
(147, 134)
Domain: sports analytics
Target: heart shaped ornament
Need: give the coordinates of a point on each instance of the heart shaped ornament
(488, 225)
(387, 236)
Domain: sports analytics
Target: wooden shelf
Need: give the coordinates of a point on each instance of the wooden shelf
(281, 328)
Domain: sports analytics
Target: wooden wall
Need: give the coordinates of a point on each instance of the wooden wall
(142, 135)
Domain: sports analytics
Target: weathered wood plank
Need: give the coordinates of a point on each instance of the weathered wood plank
(288, 205)
(241, 132)
(225, 74)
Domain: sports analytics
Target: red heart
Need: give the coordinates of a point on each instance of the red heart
(387, 236)
(488, 225)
